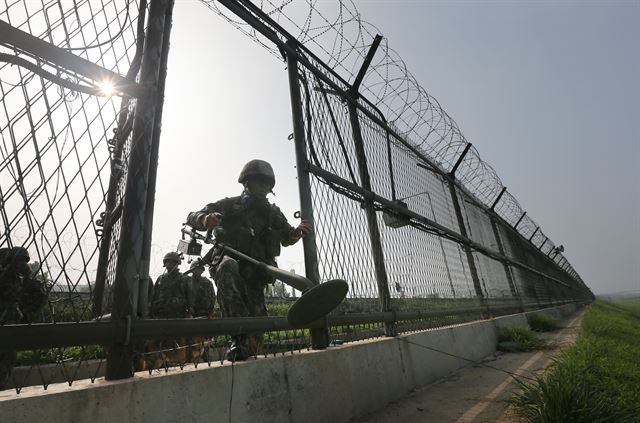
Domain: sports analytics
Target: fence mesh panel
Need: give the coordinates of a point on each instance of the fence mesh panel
(61, 149)
(64, 160)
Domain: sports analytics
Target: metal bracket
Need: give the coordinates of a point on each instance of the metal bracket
(459, 161)
(365, 65)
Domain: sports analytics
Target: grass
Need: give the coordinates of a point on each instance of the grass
(542, 322)
(519, 338)
(631, 305)
(596, 380)
(57, 355)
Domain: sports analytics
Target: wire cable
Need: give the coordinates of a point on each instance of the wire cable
(476, 362)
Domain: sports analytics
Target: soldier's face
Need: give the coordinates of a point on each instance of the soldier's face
(197, 272)
(170, 265)
(258, 187)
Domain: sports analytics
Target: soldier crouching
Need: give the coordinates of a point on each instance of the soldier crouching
(253, 226)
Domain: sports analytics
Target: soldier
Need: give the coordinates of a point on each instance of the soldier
(21, 296)
(204, 298)
(171, 294)
(171, 299)
(203, 294)
(252, 225)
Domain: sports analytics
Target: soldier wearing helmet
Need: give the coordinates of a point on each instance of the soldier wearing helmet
(172, 292)
(203, 294)
(21, 297)
(252, 225)
(21, 294)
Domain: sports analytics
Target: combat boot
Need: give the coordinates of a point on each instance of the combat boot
(239, 351)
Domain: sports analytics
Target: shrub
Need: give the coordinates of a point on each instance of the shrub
(543, 323)
(519, 338)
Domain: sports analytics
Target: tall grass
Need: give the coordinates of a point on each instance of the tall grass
(542, 322)
(519, 338)
(596, 380)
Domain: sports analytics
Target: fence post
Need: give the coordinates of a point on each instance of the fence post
(112, 213)
(153, 167)
(542, 245)
(319, 336)
(507, 268)
(495, 202)
(130, 247)
(365, 181)
(110, 217)
(372, 220)
(463, 230)
(519, 220)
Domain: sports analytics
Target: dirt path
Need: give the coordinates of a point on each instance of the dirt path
(476, 393)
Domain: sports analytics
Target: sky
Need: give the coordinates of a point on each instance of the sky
(548, 92)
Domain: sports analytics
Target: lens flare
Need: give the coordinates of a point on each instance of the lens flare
(106, 88)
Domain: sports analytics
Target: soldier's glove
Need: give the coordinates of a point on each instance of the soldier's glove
(211, 220)
(303, 229)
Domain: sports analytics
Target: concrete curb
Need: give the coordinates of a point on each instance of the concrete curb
(334, 385)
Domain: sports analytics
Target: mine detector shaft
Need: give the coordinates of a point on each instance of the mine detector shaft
(317, 300)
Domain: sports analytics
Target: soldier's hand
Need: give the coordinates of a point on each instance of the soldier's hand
(211, 221)
(303, 229)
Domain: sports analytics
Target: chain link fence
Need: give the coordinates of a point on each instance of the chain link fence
(64, 149)
(404, 209)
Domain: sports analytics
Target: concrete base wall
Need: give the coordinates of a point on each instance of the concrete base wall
(334, 385)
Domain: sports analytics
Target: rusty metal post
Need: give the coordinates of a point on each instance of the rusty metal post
(319, 336)
(130, 247)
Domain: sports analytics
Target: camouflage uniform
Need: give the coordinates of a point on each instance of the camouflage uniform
(21, 295)
(171, 299)
(172, 296)
(257, 228)
(203, 296)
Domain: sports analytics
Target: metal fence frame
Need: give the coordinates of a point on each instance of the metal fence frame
(127, 324)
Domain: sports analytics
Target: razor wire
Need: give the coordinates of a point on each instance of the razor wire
(340, 37)
(345, 251)
(65, 152)
(425, 269)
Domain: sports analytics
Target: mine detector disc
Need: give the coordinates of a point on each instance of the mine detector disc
(317, 302)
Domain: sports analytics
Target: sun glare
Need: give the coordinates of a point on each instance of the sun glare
(106, 88)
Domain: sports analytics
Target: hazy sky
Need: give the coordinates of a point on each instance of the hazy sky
(548, 92)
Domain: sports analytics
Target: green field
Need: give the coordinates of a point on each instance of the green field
(596, 380)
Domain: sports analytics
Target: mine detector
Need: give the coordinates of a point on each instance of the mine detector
(317, 300)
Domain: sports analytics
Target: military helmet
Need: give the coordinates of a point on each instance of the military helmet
(259, 168)
(172, 256)
(8, 255)
(196, 264)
